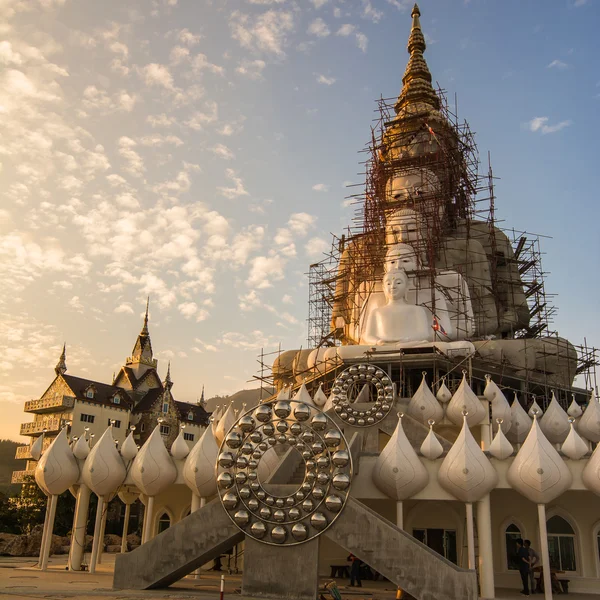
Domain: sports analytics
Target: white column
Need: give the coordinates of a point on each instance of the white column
(399, 514)
(97, 528)
(545, 551)
(102, 529)
(470, 535)
(486, 555)
(48, 541)
(125, 528)
(147, 533)
(44, 530)
(197, 503)
(79, 527)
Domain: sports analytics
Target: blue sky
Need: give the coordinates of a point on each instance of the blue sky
(198, 152)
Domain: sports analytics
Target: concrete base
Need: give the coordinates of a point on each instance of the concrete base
(179, 550)
(289, 573)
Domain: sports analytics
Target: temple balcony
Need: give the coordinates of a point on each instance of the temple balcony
(51, 404)
(37, 427)
(22, 476)
(24, 452)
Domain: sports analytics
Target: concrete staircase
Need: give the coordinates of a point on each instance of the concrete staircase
(409, 564)
(177, 551)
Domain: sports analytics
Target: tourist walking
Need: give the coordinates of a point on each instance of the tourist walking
(355, 570)
(534, 560)
(523, 559)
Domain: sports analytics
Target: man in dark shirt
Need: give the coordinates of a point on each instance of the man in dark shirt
(524, 561)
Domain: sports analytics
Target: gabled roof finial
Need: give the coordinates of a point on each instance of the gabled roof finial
(61, 365)
(145, 327)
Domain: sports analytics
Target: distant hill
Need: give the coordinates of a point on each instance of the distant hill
(250, 397)
(8, 464)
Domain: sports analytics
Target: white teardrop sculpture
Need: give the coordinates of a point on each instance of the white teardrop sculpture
(500, 447)
(128, 495)
(589, 424)
(268, 463)
(574, 409)
(464, 399)
(180, 448)
(284, 393)
(329, 404)
(302, 395)
(81, 449)
(199, 467)
(555, 422)
(520, 423)
(216, 417)
(398, 472)
(574, 447)
(57, 469)
(591, 472)
(466, 472)
(103, 471)
(500, 405)
(537, 471)
(37, 447)
(153, 469)
(424, 405)
(431, 447)
(535, 409)
(129, 448)
(320, 398)
(226, 422)
(444, 395)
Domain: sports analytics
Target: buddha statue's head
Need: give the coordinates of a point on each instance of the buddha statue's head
(401, 256)
(403, 226)
(395, 286)
(410, 189)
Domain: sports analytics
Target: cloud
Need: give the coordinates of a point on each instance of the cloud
(185, 36)
(155, 74)
(540, 124)
(251, 68)
(101, 101)
(320, 187)
(315, 247)
(362, 41)
(318, 3)
(318, 28)
(265, 270)
(402, 5)
(370, 12)
(222, 151)
(236, 190)
(265, 33)
(76, 304)
(199, 119)
(134, 164)
(345, 29)
(161, 120)
(557, 64)
(125, 308)
(326, 80)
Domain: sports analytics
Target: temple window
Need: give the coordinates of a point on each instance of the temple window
(143, 427)
(190, 416)
(561, 544)
(164, 522)
(165, 407)
(87, 418)
(512, 534)
(165, 429)
(114, 423)
(89, 393)
(117, 400)
(188, 437)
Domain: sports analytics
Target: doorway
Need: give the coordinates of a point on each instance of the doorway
(442, 541)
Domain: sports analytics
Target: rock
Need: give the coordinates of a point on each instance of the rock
(112, 540)
(133, 539)
(6, 539)
(28, 545)
(113, 548)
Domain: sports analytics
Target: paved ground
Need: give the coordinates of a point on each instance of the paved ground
(20, 580)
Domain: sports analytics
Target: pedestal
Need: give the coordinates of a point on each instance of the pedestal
(282, 572)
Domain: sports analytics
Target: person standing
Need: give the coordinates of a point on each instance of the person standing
(355, 570)
(523, 558)
(534, 560)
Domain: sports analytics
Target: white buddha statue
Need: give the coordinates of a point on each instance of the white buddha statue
(397, 320)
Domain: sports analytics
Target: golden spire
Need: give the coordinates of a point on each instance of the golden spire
(61, 366)
(416, 83)
(145, 327)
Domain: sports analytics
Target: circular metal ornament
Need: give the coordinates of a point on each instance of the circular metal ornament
(355, 377)
(253, 505)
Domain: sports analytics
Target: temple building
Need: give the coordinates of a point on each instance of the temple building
(134, 400)
(433, 420)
